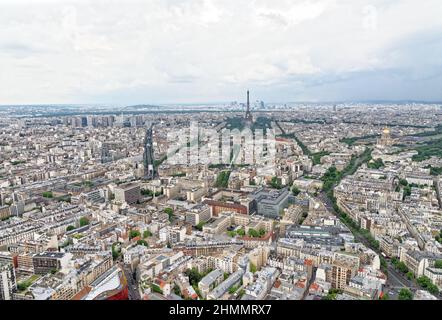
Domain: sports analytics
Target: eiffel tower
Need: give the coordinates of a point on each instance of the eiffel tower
(248, 118)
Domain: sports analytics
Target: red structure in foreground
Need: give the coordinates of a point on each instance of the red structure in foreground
(110, 286)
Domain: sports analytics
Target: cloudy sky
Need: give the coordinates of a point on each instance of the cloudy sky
(184, 51)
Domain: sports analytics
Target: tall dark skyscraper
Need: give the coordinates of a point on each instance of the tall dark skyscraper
(248, 118)
(150, 172)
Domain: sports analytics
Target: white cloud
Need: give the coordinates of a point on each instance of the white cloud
(203, 50)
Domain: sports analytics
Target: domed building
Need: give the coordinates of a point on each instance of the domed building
(385, 139)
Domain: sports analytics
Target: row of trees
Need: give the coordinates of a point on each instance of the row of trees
(426, 284)
(331, 178)
(241, 232)
(423, 281)
(150, 193)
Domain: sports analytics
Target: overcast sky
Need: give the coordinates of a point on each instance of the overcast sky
(184, 51)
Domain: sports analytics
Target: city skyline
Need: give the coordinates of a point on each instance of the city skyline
(251, 152)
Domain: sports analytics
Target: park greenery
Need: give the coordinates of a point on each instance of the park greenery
(169, 212)
(353, 140)
(332, 293)
(253, 268)
(233, 289)
(222, 180)
(231, 234)
(256, 234)
(435, 171)
(147, 234)
(316, 157)
(428, 149)
(195, 277)
(84, 221)
(142, 243)
(275, 183)
(24, 285)
(296, 191)
(375, 164)
(134, 234)
(48, 194)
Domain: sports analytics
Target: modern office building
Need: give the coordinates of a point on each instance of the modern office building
(129, 193)
(7, 281)
(46, 262)
(271, 202)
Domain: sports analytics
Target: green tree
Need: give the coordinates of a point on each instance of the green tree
(385, 296)
(438, 264)
(177, 290)
(222, 180)
(405, 294)
(252, 268)
(233, 289)
(48, 194)
(231, 233)
(402, 267)
(84, 221)
(276, 183)
(156, 288)
(200, 226)
(426, 284)
(375, 164)
(116, 251)
(295, 191)
(134, 234)
(70, 228)
(169, 212)
(142, 243)
(253, 233)
(147, 234)
(194, 276)
(403, 182)
(241, 232)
